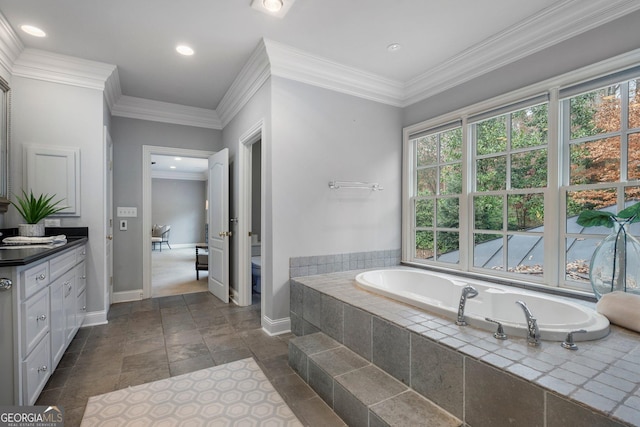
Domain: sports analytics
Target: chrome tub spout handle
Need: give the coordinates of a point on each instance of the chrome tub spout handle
(499, 333)
(533, 333)
(568, 342)
(468, 292)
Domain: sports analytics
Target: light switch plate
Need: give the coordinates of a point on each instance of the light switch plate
(127, 212)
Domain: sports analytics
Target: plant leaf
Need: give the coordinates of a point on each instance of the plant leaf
(35, 210)
(596, 218)
(632, 211)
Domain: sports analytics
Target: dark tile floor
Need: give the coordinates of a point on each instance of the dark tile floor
(162, 337)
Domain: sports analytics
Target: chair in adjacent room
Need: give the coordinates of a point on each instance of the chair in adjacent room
(202, 258)
(160, 235)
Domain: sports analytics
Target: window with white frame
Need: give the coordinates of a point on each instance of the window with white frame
(436, 203)
(601, 142)
(509, 181)
(497, 193)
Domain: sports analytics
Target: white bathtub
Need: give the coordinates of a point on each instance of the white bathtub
(440, 294)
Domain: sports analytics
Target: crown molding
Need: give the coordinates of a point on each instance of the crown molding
(52, 67)
(157, 111)
(112, 89)
(188, 176)
(252, 76)
(10, 47)
(295, 64)
(553, 25)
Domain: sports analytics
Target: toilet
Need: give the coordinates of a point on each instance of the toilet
(255, 273)
(256, 262)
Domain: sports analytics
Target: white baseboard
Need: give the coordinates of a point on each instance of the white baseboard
(276, 327)
(95, 318)
(126, 296)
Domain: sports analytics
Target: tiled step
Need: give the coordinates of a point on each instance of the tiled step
(358, 391)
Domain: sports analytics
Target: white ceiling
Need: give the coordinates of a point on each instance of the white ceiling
(140, 36)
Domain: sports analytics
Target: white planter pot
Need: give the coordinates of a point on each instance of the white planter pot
(31, 230)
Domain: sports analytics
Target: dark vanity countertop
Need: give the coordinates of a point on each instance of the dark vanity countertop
(76, 236)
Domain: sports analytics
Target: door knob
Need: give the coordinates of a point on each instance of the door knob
(109, 237)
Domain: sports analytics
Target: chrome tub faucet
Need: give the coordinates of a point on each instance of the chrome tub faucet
(468, 292)
(533, 333)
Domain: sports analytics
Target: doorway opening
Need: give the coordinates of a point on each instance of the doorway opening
(179, 217)
(147, 212)
(253, 258)
(256, 220)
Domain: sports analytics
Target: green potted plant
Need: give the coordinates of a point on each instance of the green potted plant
(615, 264)
(34, 210)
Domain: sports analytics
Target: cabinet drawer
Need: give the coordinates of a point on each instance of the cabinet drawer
(34, 279)
(35, 320)
(61, 264)
(81, 253)
(81, 276)
(36, 370)
(82, 308)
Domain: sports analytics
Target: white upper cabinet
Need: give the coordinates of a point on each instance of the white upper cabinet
(54, 171)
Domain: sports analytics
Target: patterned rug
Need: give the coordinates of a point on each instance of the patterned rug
(234, 394)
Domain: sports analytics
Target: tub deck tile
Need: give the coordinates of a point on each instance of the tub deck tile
(410, 409)
(338, 361)
(613, 361)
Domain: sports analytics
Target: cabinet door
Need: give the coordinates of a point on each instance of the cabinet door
(54, 170)
(58, 326)
(36, 371)
(69, 286)
(35, 320)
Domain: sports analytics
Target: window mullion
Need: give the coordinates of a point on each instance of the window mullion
(466, 214)
(553, 258)
(624, 137)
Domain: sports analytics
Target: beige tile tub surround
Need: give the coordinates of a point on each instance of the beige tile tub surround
(467, 372)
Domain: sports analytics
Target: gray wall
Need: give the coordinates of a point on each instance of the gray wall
(256, 109)
(615, 38)
(67, 116)
(180, 204)
(317, 136)
(129, 135)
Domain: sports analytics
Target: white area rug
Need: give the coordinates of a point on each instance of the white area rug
(234, 394)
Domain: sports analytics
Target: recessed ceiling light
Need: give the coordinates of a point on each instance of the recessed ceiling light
(273, 8)
(394, 47)
(184, 50)
(272, 5)
(33, 31)
(178, 158)
(172, 167)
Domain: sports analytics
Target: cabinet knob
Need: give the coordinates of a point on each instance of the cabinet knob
(42, 317)
(5, 284)
(84, 308)
(43, 368)
(41, 277)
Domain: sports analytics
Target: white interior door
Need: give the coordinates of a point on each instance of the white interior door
(219, 234)
(108, 207)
